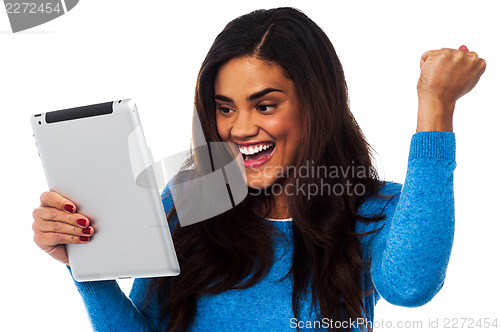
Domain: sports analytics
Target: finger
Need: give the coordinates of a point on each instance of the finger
(480, 68)
(463, 48)
(469, 53)
(423, 58)
(53, 199)
(47, 240)
(61, 227)
(473, 55)
(482, 65)
(426, 56)
(53, 214)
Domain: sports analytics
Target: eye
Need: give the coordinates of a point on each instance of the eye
(266, 108)
(224, 110)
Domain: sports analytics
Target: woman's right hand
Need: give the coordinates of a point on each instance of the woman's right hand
(56, 223)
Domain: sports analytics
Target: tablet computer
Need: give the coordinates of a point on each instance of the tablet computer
(93, 155)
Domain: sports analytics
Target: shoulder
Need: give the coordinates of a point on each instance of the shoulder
(166, 198)
(382, 203)
(168, 203)
(391, 188)
(387, 196)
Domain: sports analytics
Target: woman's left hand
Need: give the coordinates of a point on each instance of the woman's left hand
(445, 76)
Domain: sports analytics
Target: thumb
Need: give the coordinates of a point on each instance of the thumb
(423, 58)
(463, 48)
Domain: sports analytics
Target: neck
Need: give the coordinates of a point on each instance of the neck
(279, 207)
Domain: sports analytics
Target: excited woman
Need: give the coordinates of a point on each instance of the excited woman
(299, 251)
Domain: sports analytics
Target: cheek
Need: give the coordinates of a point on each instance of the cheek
(291, 136)
(286, 130)
(277, 127)
(222, 128)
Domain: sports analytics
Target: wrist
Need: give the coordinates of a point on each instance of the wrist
(434, 115)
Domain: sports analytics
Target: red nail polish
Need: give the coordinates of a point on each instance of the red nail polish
(82, 222)
(463, 48)
(84, 238)
(86, 231)
(68, 207)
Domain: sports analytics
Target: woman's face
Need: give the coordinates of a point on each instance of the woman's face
(257, 108)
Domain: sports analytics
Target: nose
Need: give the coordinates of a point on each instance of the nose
(244, 126)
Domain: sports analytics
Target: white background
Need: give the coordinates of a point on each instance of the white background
(151, 51)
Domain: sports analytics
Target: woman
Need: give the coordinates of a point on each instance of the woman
(315, 251)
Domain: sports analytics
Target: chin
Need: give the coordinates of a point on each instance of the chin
(260, 183)
(266, 182)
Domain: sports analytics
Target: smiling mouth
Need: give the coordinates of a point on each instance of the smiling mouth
(256, 155)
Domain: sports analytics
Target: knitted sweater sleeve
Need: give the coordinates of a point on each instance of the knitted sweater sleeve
(410, 253)
(109, 309)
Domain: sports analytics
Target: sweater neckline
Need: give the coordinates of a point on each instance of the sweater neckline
(280, 220)
(274, 219)
(277, 220)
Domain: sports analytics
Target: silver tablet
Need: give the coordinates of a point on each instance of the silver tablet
(93, 155)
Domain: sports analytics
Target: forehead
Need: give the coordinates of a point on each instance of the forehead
(247, 75)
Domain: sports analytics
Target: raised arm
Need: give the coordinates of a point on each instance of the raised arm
(411, 253)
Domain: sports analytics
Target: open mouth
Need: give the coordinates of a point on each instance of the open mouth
(256, 155)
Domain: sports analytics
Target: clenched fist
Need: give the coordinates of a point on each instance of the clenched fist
(445, 76)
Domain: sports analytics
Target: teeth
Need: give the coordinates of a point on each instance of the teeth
(254, 149)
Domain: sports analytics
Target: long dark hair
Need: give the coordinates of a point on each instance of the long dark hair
(234, 250)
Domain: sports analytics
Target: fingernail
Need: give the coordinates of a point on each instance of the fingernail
(82, 222)
(86, 231)
(84, 238)
(68, 207)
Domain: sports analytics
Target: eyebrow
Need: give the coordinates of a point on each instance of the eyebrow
(254, 96)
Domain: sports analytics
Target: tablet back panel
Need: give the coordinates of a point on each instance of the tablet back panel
(86, 155)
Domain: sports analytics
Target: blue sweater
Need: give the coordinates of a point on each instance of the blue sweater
(409, 259)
